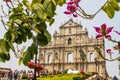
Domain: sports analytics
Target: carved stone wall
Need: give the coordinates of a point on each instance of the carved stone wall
(71, 48)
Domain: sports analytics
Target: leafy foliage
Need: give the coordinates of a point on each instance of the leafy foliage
(4, 50)
(28, 21)
(111, 7)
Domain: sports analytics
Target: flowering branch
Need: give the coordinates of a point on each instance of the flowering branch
(104, 32)
(99, 52)
(74, 8)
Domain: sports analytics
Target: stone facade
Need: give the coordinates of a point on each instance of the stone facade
(71, 48)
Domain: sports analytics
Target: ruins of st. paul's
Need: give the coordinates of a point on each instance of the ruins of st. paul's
(72, 48)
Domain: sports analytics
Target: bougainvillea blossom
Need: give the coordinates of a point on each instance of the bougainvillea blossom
(103, 31)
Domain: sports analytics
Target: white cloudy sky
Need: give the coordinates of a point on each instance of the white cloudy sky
(90, 6)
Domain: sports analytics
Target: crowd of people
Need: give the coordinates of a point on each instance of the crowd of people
(16, 75)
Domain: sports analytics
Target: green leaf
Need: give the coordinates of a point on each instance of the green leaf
(36, 30)
(48, 36)
(50, 7)
(115, 5)
(4, 50)
(20, 61)
(60, 2)
(40, 27)
(11, 46)
(19, 39)
(27, 4)
(118, 0)
(43, 38)
(2, 57)
(33, 49)
(4, 46)
(51, 21)
(29, 54)
(29, 34)
(40, 11)
(13, 37)
(8, 23)
(36, 1)
(18, 21)
(26, 57)
(7, 35)
(109, 10)
(18, 9)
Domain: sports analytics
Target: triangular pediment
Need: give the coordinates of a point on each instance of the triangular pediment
(69, 23)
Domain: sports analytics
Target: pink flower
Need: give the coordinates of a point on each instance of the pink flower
(82, 72)
(109, 51)
(103, 31)
(117, 32)
(75, 2)
(8, 0)
(72, 7)
(71, 10)
(38, 68)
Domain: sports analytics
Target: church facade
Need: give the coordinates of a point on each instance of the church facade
(71, 48)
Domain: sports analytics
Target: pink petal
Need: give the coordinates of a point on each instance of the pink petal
(108, 50)
(78, 0)
(66, 12)
(71, 8)
(108, 36)
(98, 36)
(75, 15)
(77, 4)
(71, 2)
(103, 26)
(97, 29)
(8, 0)
(68, 7)
(108, 30)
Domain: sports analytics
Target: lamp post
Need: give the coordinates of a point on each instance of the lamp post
(82, 56)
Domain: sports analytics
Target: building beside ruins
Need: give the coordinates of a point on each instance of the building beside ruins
(71, 48)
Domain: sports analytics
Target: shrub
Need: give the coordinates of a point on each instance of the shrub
(77, 78)
(24, 77)
(87, 75)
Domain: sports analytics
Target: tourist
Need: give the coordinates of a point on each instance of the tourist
(115, 78)
(15, 75)
(10, 75)
(30, 75)
(20, 75)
